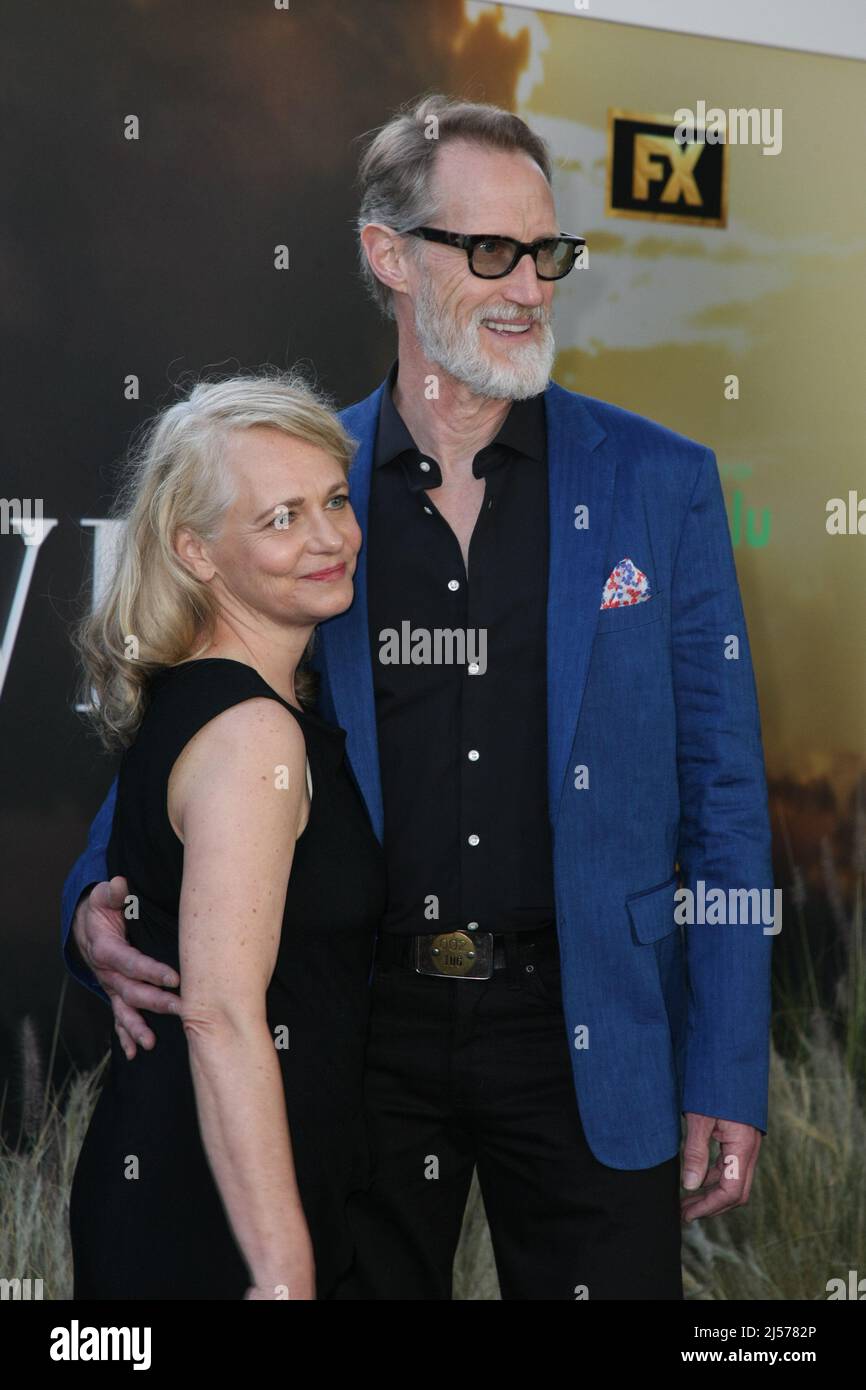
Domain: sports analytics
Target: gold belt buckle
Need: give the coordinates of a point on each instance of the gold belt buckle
(459, 954)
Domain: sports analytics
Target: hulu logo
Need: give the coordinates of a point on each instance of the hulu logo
(745, 523)
(755, 535)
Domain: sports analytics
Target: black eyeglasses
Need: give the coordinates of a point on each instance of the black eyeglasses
(491, 257)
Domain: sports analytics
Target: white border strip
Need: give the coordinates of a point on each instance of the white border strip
(833, 27)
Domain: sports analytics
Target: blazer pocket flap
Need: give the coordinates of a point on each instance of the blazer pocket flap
(652, 911)
(630, 615)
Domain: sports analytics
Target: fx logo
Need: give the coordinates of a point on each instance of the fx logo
(650, 174)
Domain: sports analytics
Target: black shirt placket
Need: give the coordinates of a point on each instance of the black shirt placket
(463, 754)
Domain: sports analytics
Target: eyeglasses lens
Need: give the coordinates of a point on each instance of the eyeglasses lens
(555, 258)
(494, 255)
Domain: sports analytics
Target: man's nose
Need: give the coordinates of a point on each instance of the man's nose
(522, 283)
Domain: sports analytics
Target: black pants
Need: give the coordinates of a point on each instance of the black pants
(478, 1072)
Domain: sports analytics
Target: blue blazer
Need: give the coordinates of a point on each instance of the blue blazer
(655, 777)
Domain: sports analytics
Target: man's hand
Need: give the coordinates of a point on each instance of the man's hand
(130, 979)
(729, 1181)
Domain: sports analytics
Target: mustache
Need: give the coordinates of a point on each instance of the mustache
(538, 313)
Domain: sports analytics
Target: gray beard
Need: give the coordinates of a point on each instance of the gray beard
(458, 351)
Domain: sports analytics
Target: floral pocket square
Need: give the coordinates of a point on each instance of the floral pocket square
(625, 584)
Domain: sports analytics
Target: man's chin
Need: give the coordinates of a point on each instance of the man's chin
(488, 369)
(512, 379)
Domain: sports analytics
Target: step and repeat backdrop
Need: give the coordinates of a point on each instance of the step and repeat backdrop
(180, 199)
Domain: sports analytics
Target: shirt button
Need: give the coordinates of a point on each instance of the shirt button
(474, 755)
(424, 466)
(473, 668)
(473, 840)
(471, 926)
(429, 511)
(453, 584)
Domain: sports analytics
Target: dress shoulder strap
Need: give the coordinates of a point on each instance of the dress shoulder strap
(185, 697)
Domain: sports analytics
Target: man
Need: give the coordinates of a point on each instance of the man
(537, 1011)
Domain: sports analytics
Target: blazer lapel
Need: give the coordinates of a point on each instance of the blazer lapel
(578, 477)
(345, 639)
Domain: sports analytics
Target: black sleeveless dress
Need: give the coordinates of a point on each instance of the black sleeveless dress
(146, 1217)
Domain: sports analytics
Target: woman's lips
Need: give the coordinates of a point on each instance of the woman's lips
(335, 572)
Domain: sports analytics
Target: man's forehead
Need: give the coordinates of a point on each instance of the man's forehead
(479, 183)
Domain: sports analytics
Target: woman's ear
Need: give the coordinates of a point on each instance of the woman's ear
(193, 554)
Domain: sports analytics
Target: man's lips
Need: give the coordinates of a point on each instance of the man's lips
(335, 572)
(509, 328)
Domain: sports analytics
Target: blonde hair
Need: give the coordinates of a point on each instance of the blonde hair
(153, 612)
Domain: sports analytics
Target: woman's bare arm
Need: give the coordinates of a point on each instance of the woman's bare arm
(238, 819)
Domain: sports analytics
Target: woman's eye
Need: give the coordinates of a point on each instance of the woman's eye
(282, 519)
(341, 497)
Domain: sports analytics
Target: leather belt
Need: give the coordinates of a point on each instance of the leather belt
(459, 954)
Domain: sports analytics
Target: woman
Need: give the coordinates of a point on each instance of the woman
(217, 1164)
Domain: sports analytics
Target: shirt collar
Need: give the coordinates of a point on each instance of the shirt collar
(524, 431)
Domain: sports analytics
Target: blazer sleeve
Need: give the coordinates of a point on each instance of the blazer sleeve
(90, 868)
(724, 836)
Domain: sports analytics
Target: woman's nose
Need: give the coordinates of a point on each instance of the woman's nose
(325, 535)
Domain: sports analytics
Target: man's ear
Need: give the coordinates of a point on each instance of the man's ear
(193, 554)
(386, 255)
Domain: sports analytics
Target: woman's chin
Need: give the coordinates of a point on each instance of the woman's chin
(333, 600)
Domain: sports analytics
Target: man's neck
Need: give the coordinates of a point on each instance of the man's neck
(452, 427)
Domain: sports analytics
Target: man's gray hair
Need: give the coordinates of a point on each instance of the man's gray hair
(396, 169)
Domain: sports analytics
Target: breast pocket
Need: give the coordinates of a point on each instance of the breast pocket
(630, 616)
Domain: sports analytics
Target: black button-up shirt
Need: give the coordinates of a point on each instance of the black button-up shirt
(463, 756)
